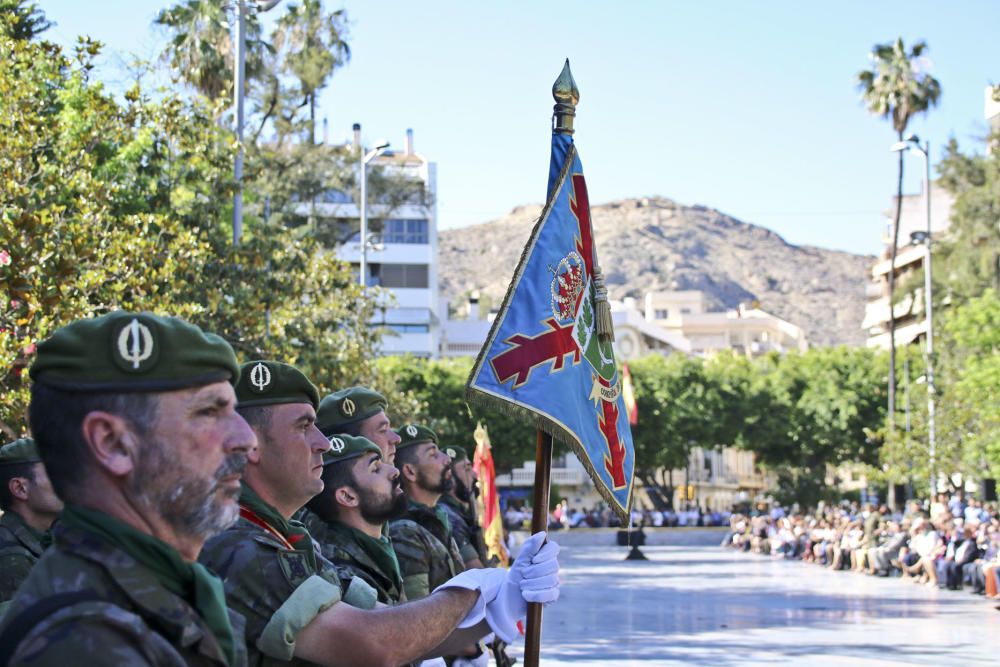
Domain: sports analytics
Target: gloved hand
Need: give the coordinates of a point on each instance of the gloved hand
(534, 577)
(505, 594)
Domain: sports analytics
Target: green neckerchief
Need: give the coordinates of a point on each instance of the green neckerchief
(439, 512)
(293, 531)
(192, 582)
(378, 549)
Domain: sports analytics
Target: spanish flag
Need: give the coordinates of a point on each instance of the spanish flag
(628, 394)
(489, 499)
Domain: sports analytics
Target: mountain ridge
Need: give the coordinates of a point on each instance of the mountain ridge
(654, 243)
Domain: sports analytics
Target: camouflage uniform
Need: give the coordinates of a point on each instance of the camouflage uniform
(20, 548)
(427, 553)
(344, 547)
(464, 528)
(277, 580)
(107, 609)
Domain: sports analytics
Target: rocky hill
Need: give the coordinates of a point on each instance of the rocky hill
(657, 244)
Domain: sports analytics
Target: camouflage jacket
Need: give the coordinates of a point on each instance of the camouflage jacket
(427, 553)
(468, 536)
(20, 549)
(340, 545)
(279, 589)
(108, 610)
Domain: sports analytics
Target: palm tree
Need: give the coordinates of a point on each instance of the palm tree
(897, 88)
(201, 51)
(315, 47)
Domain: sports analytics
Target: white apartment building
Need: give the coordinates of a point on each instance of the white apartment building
(911, 323)
(746, 330)
(402, 257)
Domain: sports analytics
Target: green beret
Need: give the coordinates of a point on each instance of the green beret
(273, 383)
(22, 450)
(456, 453)
(346, 407)
(415, 434)
(122, 352)
(344, 447)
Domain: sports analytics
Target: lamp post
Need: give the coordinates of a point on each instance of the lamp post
(239, 88)
(368, 157)
(924, 237)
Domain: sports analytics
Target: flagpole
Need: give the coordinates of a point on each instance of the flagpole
(539, 522)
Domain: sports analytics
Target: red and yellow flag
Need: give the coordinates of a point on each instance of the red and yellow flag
(489, 499)
(628, 394)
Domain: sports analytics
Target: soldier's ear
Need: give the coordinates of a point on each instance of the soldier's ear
(18, 488)
(346, 496)
(408, 472)
(112, 443)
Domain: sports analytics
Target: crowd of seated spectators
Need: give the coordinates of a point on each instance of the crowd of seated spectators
(954, 542)
(564, 516)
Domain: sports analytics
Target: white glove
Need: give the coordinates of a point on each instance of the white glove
(511, 605)
(504, 594)
(482, 660)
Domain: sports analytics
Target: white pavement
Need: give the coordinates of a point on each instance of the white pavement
(710, 606)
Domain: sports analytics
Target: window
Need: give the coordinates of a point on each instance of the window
(660, 314)
(405, 231)
(404, 275)
(685, 311)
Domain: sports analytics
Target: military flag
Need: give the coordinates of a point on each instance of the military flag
(549, 354)
(489, 500)
(628, 395)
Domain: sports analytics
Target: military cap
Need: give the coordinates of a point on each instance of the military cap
(123, 351)
(22, 450)
(345, 447)
(346, 407)
(456, 453)
(414, 434)
(273, 383)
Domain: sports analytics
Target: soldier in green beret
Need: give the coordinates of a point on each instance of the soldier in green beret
(289, 593)
(422, 539)
(29, 507)
(358, 411)
(134, 418)
(458, 502)
(361, 492)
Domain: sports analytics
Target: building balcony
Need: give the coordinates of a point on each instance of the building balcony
(526, 477)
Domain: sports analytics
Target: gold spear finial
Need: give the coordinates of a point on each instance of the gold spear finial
(567, 96)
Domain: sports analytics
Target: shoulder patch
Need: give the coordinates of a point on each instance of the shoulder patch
(294, 565)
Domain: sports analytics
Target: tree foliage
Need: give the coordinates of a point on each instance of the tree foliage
(108, 204)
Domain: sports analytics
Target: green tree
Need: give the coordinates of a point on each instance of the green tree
(897, 88)
(313, 43)
(23, 19)
(106, 205)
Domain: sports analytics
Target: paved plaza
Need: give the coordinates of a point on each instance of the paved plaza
(703, 605)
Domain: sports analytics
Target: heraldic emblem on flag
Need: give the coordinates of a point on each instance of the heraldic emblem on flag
(544, 356)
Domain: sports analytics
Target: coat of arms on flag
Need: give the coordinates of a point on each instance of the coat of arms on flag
(546, 355)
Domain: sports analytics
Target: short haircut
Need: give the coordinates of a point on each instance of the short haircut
(56, 417)
(408, 455)
(257, 416)
(335, 475)
(9, 472)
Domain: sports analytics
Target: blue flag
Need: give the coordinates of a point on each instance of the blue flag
(543, 356)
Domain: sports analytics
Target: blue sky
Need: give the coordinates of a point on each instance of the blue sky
(747, 107)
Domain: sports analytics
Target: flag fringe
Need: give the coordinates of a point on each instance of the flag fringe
(558, 432)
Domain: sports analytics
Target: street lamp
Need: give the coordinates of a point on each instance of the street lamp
(916, 238)
(239, 84)
(368, 157)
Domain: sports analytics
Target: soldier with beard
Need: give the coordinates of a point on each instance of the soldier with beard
(459, 503)
(299, 610)
(360, 493)
(422, 539)
(134, 417)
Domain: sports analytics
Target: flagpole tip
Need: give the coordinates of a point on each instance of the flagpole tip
(567, 96)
